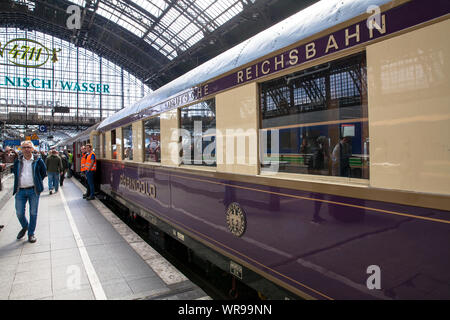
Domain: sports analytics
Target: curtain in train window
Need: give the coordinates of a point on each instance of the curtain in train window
(152, 136)
(198, 133)
(315, 121)
(127, 136)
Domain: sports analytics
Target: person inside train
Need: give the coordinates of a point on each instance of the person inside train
(341, 157)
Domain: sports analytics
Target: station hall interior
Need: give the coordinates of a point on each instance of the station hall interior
(224, 150)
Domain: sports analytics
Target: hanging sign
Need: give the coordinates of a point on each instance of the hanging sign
(28, 53)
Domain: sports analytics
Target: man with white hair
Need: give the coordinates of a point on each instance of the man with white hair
(29, 172)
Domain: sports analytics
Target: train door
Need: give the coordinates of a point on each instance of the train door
(77, 163)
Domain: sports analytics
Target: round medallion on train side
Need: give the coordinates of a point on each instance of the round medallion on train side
(236, 220)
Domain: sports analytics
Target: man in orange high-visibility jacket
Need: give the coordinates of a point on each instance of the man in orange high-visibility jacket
(83, 168)
(91, 167)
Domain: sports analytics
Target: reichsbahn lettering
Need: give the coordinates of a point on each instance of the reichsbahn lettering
(339, 40)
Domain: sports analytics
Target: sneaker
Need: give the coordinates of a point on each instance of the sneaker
(50, 192)
(85, 196)
(32, 239)
(22, 233)
(90, 198)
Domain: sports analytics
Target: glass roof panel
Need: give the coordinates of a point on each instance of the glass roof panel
(155, 7)
(204, 4)
(181, 25)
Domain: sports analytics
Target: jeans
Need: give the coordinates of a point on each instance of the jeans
(53, 180)
(22, 196)
(90, 181)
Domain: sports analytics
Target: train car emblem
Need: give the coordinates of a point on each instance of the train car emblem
(236, 220)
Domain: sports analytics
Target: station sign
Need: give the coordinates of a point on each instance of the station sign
(11, 143)
(16, 142)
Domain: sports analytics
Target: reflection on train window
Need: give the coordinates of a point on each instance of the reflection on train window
(198, 133)
(127, 136)
(113, 145)
(152, 139)
(95, 144)
(315, 121)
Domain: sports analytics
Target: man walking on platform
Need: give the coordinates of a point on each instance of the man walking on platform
(54, 167)
(91, 167)
(29, 172)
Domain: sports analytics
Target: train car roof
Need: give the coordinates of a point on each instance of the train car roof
(82, 135)
(314, 19)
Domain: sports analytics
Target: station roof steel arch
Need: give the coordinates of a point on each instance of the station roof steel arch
(157, 40)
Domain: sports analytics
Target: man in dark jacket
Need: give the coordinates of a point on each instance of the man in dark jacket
(65, 165)
(54, 167)
(29, 171)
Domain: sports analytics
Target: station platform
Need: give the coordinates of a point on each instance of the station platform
(83, 252)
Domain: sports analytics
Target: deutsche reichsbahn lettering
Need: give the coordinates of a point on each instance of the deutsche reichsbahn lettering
(143, 187)
(181, 99)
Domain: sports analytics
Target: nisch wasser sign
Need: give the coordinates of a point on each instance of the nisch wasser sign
(38, 83)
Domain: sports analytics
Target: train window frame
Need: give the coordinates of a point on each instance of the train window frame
(158, 146)
(102, 145)
(365, 177)
(192, 165)
(113, 143)
(130, 156)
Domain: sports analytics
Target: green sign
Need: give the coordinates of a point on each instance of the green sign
(27, 53)
(40, 83)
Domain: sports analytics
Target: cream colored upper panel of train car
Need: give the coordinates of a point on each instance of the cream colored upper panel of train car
(409, 111)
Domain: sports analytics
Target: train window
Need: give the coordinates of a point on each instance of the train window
(95, 144)
(152, 139)
(315, 121)
(103, 146)
(113, 145)
(127, 136)
(198, 133)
